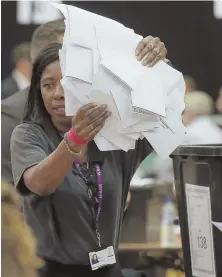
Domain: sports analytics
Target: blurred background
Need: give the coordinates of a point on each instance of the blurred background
(192, 33)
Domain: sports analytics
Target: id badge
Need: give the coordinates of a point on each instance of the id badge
(102, 258)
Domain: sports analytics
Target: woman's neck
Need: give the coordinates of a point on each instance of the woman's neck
(61, 127)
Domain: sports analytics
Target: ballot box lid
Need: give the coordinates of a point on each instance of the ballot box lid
(206, 150)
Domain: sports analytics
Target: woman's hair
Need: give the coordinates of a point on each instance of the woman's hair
(95, 257)
(35, 108)
(17, 241)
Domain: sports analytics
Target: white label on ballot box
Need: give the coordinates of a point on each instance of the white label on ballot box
(200, 231)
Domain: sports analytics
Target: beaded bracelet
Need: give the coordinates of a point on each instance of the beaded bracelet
(68, 148)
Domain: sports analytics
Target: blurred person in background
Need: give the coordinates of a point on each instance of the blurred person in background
(201, 129)
(18, 245)
(217, 118)
(12, 108)
(219, 101)
(190, 82)
(53, 173)
(20, 76)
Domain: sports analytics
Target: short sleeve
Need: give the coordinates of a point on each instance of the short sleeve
(27, 149)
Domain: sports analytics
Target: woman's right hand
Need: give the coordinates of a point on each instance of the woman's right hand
(89, 120)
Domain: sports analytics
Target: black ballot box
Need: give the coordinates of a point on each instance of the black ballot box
(198, 186)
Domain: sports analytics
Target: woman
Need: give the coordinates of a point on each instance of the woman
(56, 165)
(94, 259)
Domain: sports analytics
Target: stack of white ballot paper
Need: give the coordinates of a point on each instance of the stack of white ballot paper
(99, 65)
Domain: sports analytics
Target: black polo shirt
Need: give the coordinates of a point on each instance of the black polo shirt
(62, 221)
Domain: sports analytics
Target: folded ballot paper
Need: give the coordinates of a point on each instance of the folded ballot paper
(99, 65)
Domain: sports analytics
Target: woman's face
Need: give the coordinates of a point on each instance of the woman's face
(53, 96)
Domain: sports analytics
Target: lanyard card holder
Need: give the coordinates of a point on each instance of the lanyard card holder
(104, 256)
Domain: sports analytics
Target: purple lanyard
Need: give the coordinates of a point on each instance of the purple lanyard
(90, 195)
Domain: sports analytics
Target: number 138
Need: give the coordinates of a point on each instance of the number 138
(202, 242)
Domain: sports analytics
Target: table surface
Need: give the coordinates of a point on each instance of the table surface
(147, 246)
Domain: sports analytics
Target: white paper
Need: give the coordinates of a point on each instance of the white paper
(123, 49)
(70, 109)
(73, 12)
(62, 53)
(119, 64)
(176, 96)
(75, 94)
(104, 80)
(79, 63)
(76, 36)
(200, 231)
(98, 64)
(168, 75)
(122, 98)
(218, 225)
(143, 126)
(82, 22)
(122, 141)
(101, 97)
(168, 136)
(62, 61)
(61, 7)
(96, 59)
(149, 93)
(135, 136)
(104, 144)
(88, 40)
(79, 89)
(122, 39)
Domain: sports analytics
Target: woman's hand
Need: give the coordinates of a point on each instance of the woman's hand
(150, 50)
(89, 120)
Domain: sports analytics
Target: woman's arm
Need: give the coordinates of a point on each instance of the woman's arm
(45, 177)
(42, 174)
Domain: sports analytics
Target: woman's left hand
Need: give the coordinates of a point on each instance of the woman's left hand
(150, 50)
